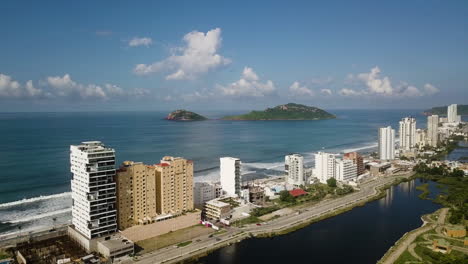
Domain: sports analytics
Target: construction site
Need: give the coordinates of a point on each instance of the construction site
(50, 251)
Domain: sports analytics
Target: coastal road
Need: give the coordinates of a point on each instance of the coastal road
(203, 244)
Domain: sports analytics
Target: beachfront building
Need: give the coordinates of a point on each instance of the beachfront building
(386, 143)
(205, 191)
(324, 166)
(230, 175)
(345, 170)
(452, 116)
(93, 189)
(136, 194)
(407, 134)
(149, 193)
(421, 138)
(294, 169)
(174, 186)
(217, 210)
(432, 130)
(357, 159)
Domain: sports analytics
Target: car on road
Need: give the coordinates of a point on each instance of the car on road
(218, 239)
(198, 240)
(259, 224)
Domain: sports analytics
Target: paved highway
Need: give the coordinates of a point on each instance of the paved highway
(205, 243)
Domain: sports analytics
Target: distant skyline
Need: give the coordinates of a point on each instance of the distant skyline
(213, 55)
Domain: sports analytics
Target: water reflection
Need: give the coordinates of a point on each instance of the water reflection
(387, 200)
(227, 255)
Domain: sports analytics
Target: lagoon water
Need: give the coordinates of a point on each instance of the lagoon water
(34, 150)
(362, 235)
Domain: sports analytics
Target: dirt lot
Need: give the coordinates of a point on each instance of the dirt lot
(186, 234)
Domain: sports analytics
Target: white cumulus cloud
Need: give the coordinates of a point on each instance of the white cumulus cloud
(10, 88)
(249, 85)
(135, 42)
(376, 84)
(326, 91)
(198, 56)
(297, 90)
(64, 86)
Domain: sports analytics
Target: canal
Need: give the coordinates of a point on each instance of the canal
(362, 235)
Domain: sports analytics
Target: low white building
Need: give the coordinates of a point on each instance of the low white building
(205, 191)
(345, 170)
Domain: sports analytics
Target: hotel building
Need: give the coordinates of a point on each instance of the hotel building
(357, 159)
(407, 133)
(294, 168)
(324, 166)
(230, 174)
(432, 130)
(345, 170)
(386, 143)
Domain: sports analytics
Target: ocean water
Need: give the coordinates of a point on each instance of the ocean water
(34, 150)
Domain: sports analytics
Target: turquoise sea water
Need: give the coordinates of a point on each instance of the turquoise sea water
(34, 149)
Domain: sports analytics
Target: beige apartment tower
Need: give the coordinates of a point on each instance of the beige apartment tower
(174, 181)
(136, 194)
(146, 194)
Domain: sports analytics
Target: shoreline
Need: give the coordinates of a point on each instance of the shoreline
(378, 192)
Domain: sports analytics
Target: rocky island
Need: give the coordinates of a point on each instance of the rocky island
(184, 115)
(289, 111)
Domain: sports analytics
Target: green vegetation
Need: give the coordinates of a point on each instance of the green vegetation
(4, 254)
(230, 201)
(406, 257)
(184, 115)
(425, 190)
(286, 197)
(183, 244)
(456, 194)
(430, 256)
(289, 111)
(259, 211)
(331, 182)
(249, 220)
(442, 110)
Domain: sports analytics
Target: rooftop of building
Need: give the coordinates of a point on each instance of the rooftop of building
(116, 242)
(297, 192)
(442, 242)
(229, 158)
(217, 203)
(455, 227)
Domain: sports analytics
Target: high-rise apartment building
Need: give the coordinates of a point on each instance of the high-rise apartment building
(136, 194)
(386, 143)
(93, 189)
(345, 170)
(432, 130)
(421, 138)
(452, 113)
(407, 133)
(294, 168)
(324, 166)
(230, 173)
(174, 185)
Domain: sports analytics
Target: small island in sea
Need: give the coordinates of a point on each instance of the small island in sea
(442, 110)
(289, 111)
(184, 115)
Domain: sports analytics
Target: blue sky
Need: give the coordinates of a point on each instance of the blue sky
(206, 55)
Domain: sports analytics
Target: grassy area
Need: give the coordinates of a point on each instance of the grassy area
(171, 238)
(249, 220)
(425, 190)
(4, 254)
(183, 244)
(429, 256)
(406, 256)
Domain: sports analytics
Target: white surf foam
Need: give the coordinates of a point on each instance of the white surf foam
(39, 216)
(35, 199)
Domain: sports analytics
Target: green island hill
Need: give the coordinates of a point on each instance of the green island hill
(289, 111)
(184, 115)
(442, 110)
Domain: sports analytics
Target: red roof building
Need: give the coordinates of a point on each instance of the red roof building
(297, 192)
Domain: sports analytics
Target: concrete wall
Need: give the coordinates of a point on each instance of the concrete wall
(142, 232)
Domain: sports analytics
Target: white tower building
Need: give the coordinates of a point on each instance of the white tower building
(432, 130)
(93, 189)
(386, 143)
(230, 171)
(294, 168)
(324, 166)
(452, 113)
(407, 133)
(345, 170)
